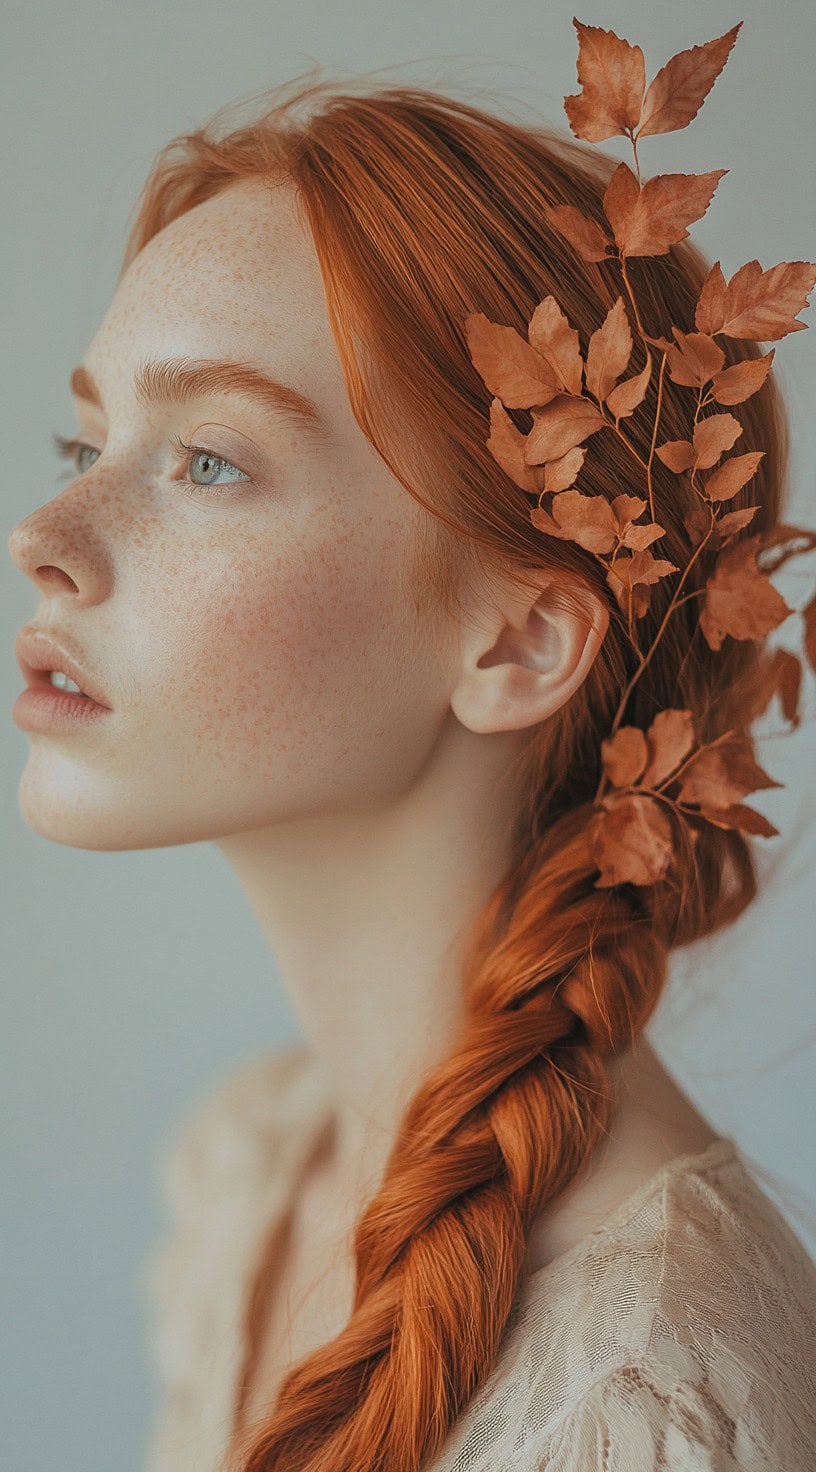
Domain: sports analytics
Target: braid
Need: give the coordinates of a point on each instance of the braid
(498, 1129)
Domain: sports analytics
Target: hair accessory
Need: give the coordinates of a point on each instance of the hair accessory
(654, 778)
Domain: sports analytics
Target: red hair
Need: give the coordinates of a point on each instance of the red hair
(423, 209)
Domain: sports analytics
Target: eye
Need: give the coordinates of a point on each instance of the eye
(187, 455)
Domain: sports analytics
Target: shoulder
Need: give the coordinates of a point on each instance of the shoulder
(225, 1174)
(263, 1105)
(692, 1333)
(679, 1336)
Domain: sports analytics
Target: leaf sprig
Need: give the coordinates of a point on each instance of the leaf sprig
(651, 780)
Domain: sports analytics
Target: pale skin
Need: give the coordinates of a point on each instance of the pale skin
(279, 691)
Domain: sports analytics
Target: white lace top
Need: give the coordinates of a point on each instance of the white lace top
(680, 1336)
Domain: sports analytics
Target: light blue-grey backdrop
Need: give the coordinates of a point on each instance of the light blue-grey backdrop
(132, 982)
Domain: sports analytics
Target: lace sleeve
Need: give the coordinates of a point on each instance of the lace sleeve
(644, 1418)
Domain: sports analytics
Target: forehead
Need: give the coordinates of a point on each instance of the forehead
(235, 277)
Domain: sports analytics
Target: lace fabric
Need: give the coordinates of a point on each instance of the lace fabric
(679, 1336)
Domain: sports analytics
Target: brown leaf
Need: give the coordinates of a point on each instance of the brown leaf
(552, 336)
(627, 573)
(760, 305)
(613, 77)
(671, 738)
(648, 219)
(609, 351)
(783, 677)
(625, 509)
(682, 85)
(709, 311)
(624, 756)
(731, 476)
(694, 359)
(677, 454)
(748, 820)
(559, 426)
(506, 445)
(809, 617)
(625, 398)
(631, 839)
(780, 543)
(587, 520)
(583, 234)
(560, 474)
(734, 521)
(697, 522)
(722, 775)
(740, 601)
(507, 363)
(712, 436)
(741, 380)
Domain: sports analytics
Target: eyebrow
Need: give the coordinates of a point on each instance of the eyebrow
(160, 381)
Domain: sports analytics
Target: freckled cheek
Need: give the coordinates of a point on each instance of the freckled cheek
(292, 651)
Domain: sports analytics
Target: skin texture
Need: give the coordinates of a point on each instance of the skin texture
(277, 687)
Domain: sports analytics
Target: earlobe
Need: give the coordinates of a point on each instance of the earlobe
(536, 651)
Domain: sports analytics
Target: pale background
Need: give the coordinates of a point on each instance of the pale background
(133, 982)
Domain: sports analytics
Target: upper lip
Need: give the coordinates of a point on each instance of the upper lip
(38, 653)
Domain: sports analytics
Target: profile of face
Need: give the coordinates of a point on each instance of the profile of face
(250, 610)
(248, 613)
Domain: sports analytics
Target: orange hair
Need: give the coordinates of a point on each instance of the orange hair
(422, 210)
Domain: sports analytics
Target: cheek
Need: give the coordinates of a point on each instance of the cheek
(300, 657)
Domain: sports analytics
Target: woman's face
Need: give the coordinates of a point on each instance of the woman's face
(257, 638)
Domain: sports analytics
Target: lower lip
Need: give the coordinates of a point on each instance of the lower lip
(44, 708)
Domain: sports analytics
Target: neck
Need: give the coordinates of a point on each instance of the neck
(365, 913)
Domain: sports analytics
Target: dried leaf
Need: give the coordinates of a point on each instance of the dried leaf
(559, 426)
(624, 399)
(627, 573)
(609, 351)
(587, 520)
(748, 820)
(560, 474)
(648, 219)
(552, 336)
(730, 477)
(740, 601)
(722, 775)
(783, 677)
(671, 738)
(809, 617)
(507, 363)
(506, 445)
(712, 436)
(682, 85)
(760, 305)
(613, 77)
(780, 543)
(741, 380)
(694, 359)
(677, 454)
(697, 522)
(625, 509)
(734, 521)
(624, 756)
(631, 840)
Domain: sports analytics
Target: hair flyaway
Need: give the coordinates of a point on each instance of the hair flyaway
(654, 779)
(551, 368)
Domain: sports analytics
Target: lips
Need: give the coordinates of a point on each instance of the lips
(38, 653)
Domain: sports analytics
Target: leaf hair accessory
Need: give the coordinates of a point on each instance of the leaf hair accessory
(655, 778)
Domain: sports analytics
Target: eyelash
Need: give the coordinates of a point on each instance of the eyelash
(68, 449)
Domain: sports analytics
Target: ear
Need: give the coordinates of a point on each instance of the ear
(523, 657)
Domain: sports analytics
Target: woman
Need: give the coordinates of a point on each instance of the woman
(472, 1223)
